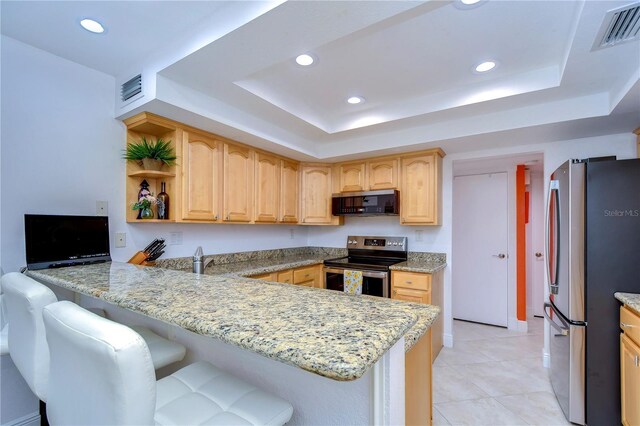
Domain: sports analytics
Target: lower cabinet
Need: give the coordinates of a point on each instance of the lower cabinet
(630, 367)
(309, 276)
(422, 288)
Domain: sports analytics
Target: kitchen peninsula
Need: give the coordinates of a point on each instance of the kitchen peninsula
(349, 352)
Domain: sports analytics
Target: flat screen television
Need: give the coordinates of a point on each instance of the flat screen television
(56, 241)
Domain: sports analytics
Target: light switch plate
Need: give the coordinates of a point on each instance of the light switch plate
(121, 239)
(102, 208)
(419, 235)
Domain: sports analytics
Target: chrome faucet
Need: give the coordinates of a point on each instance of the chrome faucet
(198, 264)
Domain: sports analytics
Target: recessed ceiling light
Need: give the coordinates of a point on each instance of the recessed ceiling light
(304, 60)
(468, 4)
(354, 100)
(485, 66)
(92, 26)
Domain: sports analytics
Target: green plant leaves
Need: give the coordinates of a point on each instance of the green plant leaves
(158, 150)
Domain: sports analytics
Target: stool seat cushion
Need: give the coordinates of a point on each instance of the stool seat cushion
(201, 394)
(163, 351)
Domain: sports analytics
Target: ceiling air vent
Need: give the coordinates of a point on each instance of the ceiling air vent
(131, 88)
(619, 26)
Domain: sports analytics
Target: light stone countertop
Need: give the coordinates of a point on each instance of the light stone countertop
(325, 332)
(425, 267)
(630, 299)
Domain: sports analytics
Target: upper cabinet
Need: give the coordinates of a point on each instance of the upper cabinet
(289, 191)
(352, 176)
(267, 196)
(420, 189)
(201, 171)
(237, 194)
(316, 195)
(383, 174)
(219, 180)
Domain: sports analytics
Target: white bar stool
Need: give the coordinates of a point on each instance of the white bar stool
(24, 300)
(101, 374)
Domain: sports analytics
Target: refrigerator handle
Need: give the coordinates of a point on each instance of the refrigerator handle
(564, 331)
(554, 188)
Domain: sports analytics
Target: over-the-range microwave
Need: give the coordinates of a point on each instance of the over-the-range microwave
(369, 203)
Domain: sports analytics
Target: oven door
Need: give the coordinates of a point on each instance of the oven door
(374, 283)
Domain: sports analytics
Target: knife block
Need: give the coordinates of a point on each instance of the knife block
(139, 258)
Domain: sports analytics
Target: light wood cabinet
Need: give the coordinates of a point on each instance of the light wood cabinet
(201, 177)
(238, 184)
(309, 276)
(630, 366)
(289, 191)
(422, 288)
(383, 174)
(352, 177)
(420, 196)
(316, 195)
(267, 194)
(286, 276)
(266, 277)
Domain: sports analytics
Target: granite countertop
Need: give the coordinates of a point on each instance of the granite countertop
(425, 267)
(264, 266)
(426, 263)
(325, 332)
(630, 299)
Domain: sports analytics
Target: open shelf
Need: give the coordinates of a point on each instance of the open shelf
(152, 174)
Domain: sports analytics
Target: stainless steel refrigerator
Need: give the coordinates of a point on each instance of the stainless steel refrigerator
(593, 251)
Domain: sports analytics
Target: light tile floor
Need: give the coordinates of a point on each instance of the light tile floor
(493, 376)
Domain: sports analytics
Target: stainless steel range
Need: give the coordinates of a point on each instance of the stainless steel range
(372, 256)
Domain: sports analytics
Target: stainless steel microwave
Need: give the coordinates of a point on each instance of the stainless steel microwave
(369, 203)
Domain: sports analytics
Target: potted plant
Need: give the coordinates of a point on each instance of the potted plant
(151, 155)
(144, 204)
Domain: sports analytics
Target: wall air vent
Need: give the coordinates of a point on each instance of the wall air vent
(619, 26)
(131, 88)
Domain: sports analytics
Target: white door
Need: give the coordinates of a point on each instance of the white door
(479, 250)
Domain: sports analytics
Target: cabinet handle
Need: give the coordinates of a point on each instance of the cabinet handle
(215, 217)
(409, 282)
(395, 292)
(625, 325)
(227, 217)
(306, 275)
(637, 361)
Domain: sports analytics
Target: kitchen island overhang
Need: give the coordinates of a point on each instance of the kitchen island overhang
(332, 335)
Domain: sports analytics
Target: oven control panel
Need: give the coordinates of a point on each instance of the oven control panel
(377, 243)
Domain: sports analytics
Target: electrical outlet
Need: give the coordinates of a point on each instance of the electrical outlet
(292, 233)
(121, 239)
(419, 233)
(102, 208)
(175, 238)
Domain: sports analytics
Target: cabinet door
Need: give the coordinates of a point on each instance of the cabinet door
(238, 184)
(419, 197)
(383, 174)
(286, 276)
(316, 194)
(201, 177)
(416, 296)
(289, 190)
(352, 177)
(267, 188)
(630, 381)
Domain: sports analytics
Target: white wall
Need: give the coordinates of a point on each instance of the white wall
(61, 151)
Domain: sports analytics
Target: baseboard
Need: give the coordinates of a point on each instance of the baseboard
(32, 419)
(517, 325)
(546, 359)
(447, 340)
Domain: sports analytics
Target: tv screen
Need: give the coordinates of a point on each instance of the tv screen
(54, 241)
